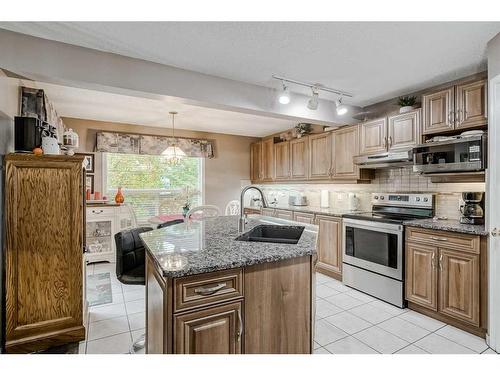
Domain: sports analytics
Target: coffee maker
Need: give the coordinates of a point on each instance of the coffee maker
(472, 209)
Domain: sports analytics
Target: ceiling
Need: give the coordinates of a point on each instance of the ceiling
(374, 60)
(103, 106)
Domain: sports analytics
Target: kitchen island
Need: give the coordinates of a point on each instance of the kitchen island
(207, 292)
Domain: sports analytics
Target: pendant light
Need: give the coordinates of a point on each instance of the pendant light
(173, 154)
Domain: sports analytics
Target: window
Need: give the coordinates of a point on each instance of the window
(152, 186)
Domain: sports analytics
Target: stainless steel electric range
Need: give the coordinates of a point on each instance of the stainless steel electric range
(373, 244)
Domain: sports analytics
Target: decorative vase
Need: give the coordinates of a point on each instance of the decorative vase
(405, 109)
(119, 198)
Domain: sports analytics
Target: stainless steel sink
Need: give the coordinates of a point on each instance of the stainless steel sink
(273, 233)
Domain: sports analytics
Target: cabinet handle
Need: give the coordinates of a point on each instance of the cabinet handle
(240, 327)
(459, 116)
(451, 117)
(438, 238)
(441, 262)
(97, 212)
(209, 291)
(433, 263)
(390, 141)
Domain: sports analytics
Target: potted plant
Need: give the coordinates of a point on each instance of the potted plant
(407, 103)
(302, 129)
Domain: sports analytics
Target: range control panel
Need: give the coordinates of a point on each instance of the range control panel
(404, 200)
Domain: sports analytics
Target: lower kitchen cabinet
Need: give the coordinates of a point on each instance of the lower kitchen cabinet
(329, 245)
(216, 330)
(459, 285)
(444, 277)
(283, 214)
(421, 275)
(303, 217)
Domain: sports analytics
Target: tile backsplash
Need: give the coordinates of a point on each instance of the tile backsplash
(397, 180)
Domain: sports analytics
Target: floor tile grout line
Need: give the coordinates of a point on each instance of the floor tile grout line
(439, 329)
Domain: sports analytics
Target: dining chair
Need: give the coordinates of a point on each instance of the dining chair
(203, 212)
(233, 208)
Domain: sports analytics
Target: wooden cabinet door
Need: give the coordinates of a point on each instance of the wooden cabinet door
(373, 136)
(404, 130)
(421, 275)
(43, 251)
(284, 214)
(438, 111)
(298, 159)
(268, 160)
(345, 146)
(471, 105)
(216, 330)
(459, 285)
(320, 156)
(282, 161)
(256, 161)
(329, 243)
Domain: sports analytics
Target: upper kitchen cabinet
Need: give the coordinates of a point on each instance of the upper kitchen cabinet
(268, 160)
(345, 145)
(457, 107)
(262, 161)
(299, 158)
(373, 136)
(282, 161)
(438, 111)
(320, 156)
(256, 161)
(471, 105)
(403, 130)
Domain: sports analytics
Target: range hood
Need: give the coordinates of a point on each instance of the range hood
(391, 159)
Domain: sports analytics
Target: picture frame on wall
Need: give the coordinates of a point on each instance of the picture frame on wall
(89, 162)
(89, 183)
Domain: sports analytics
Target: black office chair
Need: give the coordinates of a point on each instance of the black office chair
(169, 223)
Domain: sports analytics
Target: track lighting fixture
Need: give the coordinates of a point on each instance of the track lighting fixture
(314, 101)
(285, 95)
(341, 108)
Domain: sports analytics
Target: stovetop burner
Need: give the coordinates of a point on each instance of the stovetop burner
(397, 208)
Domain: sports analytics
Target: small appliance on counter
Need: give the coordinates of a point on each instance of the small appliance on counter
(297, 200)
(472, 209)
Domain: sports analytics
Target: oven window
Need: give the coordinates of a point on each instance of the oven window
(372, 246)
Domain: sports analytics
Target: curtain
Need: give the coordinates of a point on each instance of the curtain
(127, 143)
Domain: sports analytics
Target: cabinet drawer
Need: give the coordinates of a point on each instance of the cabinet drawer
(284, 214)
(100, 211)
(205, 289)
(438, 238)
(268, 212)
(303, 217)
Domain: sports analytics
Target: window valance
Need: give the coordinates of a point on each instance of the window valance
(127, 143)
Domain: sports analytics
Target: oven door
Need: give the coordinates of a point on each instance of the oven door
(374, 246)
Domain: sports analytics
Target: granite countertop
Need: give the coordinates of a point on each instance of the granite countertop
(210, 245)
(448, 225)
(331, 211)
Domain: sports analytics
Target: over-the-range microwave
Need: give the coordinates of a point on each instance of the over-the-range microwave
(464, 154)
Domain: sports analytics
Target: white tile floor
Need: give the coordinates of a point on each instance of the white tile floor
(351, 322)
(114, 326)
(347, 321)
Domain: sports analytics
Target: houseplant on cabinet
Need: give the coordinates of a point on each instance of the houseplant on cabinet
(407, 103)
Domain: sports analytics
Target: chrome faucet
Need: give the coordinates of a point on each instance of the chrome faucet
(242, 221)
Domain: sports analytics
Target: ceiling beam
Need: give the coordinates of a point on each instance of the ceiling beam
(66, 64)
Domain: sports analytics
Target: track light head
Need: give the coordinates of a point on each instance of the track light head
(284, 97)
(341, 108)
(313, 103)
